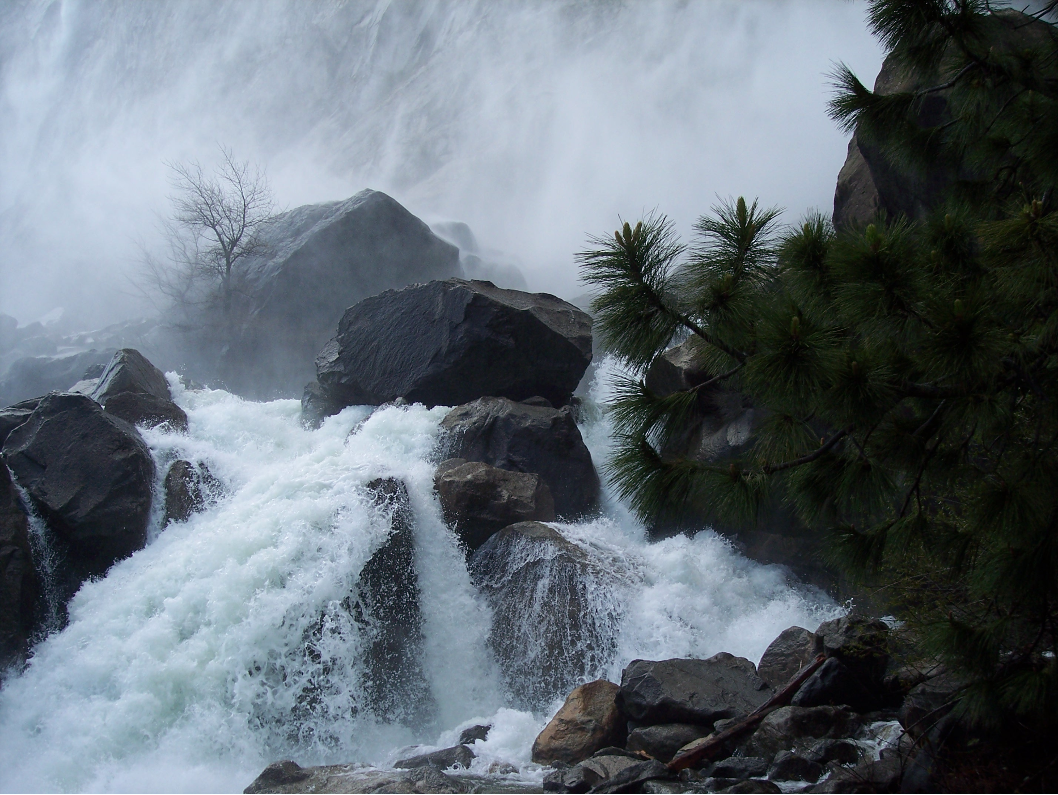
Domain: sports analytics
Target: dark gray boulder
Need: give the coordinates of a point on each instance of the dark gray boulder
(316, 405)
(450, 342)
(18, 580)
(479, 500)
(785, 656)
(788, 766)
(663, 740)
(290, 777)
(740, 767)
(13, 416)
(553, 626)
(456, 756)
(929, 702)
(842, 752)
(136, 391)
(89, 474)
(861, 644)
(474, 733)
(387, 607)
(188, 489)
(690, 690)
(526, 438)
(635, 776)
(319, 260)
(834, 684)
(794, 728)
(37, 375)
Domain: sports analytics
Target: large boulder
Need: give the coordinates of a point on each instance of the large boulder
(785, 656)
(861, 644)
(834, 684)
(18, 580)
(555, 611)
(89, 474)
(188, 489)
(449, 342)
(796, 728)
(690, 690)
(37, 375)
(319, 260)
(663, 740)
(387, 607)
(289, 776)
(13, 416)
(527, 438)
(478, 500)
(588, 721)
(136, 391)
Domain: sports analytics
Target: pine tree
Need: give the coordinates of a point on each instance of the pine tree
(908, 369)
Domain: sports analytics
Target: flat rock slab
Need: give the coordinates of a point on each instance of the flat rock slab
(449, 342)
(519, 437)
(290, 777)
(691, 691)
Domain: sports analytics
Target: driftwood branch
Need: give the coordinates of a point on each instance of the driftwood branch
(715, 743)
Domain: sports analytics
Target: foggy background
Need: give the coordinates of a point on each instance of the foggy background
(537, 123)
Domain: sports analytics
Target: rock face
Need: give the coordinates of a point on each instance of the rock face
(322, 259)
(588, 722)
(479, 500)
(188, 488)
(90, 476)
(449, 342)
(38, 375)
(388, 610)
(18, 580)
(554, 613)
(136, 391)
(795, 648)
(691, 691)
(528, 438)
(13, 416)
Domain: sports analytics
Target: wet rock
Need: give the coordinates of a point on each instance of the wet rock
(18, 580)
(316, 406)
(663, 740)
(90, 475)
(188, 489)
(752, 785)
(861, 644)
(788, 766)
(553, 610)
(318, 261)
(587, 722)
(387, 607)
(474, 733)
(522, 438)
(38, 375)
(834, 684)
(929, 702)
(479, 500)
(450, 342)
(456, 756)
(842, 752)
(795, 648)
(791, 728)
(740, 767)
(633, 777)
(13, 416)
(136, 391)
(147, 410)
(691, 691)
(881, 775)
(289, 777)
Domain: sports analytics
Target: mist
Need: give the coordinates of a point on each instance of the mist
(537, 123)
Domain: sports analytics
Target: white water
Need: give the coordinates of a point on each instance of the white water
(188, 667)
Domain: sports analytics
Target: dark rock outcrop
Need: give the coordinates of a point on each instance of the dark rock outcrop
(861, 644)
(319, 260)
(388, 609)
(788, 766)
(791, 728)
(834, 684)
(479, 500)
(136, 391)
(316, 405)
(188, 489)
(526, 438)
(13, 416)
(289, 777)
(475, 733)
(18, 580)
(691, 691)
(740, 767)
(450, 342)
(90, 476)
(38, 375)
(456, 756)
(928, 703)
(795, 648)
(551, 625)
(588, 722)
(663, 740)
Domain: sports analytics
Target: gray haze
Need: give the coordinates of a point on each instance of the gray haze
(535, 122)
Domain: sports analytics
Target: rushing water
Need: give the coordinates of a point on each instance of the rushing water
(223, 645)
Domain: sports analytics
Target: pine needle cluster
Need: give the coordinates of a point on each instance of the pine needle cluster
(906, 371)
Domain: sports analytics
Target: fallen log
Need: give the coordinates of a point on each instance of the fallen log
(714, 743)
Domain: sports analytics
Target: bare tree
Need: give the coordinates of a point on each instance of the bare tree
(212, 236)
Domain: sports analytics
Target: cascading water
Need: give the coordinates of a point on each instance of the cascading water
(228, 642)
